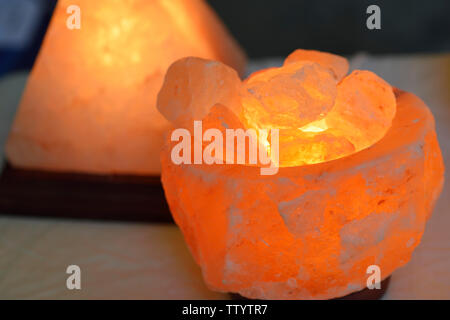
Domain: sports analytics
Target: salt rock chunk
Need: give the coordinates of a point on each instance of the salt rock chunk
(310, 232)
(339, 65)
(299, 148)
(364, 108)
(192, 86)
(288, 97)
(221, 119)
(90, 101)
(237, 145)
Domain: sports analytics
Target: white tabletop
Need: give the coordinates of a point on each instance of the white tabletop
(150, 261)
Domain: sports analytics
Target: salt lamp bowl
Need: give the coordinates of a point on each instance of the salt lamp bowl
(310, 232)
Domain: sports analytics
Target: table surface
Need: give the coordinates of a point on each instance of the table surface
(150, 261)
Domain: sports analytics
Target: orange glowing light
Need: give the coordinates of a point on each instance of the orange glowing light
(321, 113)
(89, 104)
(360, 171)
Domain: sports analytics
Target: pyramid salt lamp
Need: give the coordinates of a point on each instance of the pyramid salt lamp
(358, 172)
(89, 106)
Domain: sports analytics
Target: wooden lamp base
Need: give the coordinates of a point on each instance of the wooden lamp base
(365, 294)
(82, 196)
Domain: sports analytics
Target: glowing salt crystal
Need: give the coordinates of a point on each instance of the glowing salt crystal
(364, 109)
(193, 86)
(337, 64)
(89, 104)
(310, 232)
(288, 97)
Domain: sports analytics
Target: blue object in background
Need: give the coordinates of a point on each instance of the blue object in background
(22, 28)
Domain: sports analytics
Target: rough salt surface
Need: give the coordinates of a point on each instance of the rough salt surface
(368, 122)
(288, 97)
(338, 65)
(310, 232)
(193, 86)
(320, 113)
(90, 102)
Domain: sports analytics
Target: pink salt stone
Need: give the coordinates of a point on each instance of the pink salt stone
(338, 64)
(319, 118)
(90, 101)
(221, 119)
(192, 86)
(301, 148)
(364, 108)
(310, 232)
(288, 97)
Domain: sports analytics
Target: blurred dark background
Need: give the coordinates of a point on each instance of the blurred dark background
(275, 28)
(269, 27)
